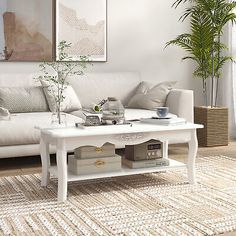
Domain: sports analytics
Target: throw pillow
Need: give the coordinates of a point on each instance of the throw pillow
(150, 97)
(69, 104)
(4, 114)
(23, 99)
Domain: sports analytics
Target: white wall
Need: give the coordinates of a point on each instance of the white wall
(137, 32)
(227, 95)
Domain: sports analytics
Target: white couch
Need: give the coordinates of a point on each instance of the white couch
(18, 137)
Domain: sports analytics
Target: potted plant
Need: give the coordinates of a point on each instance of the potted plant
(204, 46)
(55, 75)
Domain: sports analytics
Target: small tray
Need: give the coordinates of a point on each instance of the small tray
(79, 125)
(161, 118)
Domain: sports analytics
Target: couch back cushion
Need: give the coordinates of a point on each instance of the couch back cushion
(90, 88)
(93, 87)
(19, 80)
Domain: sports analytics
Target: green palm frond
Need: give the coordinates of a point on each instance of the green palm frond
(178, 2)
(191, 58)
(208, 18)
(203, 45)
(221, 62)
(187, 13)
(183, 41)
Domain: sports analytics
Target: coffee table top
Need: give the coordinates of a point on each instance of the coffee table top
(136, 127)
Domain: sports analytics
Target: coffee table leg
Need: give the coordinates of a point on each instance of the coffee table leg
(165, 149)
(62, 170)
(45, 159)
(192, 152)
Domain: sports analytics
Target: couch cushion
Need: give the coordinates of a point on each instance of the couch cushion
(150, 97)
(93, 87)
(20, 129)
(70, 103)
(23, 99)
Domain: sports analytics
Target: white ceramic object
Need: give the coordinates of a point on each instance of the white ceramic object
(4, 114)
(162, 112)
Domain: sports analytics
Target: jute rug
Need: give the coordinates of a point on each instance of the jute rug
(153, 204)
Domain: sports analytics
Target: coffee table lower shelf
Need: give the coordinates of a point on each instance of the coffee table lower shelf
(123, 172)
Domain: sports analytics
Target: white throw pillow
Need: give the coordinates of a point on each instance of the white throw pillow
(69, 104)
(150, 97)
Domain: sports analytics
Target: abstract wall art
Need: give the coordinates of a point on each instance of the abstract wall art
(31, 30)
(83, 24)
(26, 30)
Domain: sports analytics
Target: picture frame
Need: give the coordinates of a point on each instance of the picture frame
(83, 26)
(27, 30)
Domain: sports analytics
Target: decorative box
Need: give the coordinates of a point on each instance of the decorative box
(149, 150)
(94, 165)
(107, 150)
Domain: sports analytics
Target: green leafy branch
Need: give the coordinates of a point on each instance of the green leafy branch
(56, 73)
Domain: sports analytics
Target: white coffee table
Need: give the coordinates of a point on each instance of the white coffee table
(70, 138)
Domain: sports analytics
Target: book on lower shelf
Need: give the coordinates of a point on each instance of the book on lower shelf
(145, 163)
(161, 121)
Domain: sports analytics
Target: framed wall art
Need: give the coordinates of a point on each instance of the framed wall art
(83, 24)
(26, 30)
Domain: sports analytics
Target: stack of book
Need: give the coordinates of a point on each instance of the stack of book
(145, 163)
(164, 121)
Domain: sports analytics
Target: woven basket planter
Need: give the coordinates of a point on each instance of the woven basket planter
(215, 121)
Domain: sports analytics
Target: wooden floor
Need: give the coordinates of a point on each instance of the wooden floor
(29, 165)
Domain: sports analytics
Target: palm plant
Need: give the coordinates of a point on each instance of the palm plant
(203, 44)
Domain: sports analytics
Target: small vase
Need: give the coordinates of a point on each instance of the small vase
(58, 119)
(113, 112)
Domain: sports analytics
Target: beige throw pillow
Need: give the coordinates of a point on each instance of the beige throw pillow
(150, 97)
(23, 99)
(69, 104)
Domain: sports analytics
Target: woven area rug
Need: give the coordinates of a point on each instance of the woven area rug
(153, 204)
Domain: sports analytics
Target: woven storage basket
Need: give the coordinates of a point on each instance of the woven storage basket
(215, 121)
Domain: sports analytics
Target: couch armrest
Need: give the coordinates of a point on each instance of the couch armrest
(180, 103)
